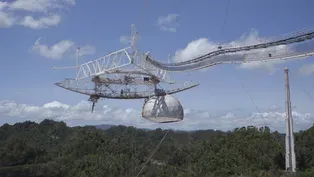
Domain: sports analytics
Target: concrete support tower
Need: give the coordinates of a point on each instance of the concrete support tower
(290, 153)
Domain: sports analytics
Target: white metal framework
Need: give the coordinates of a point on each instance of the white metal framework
(124, 74)
(131, 74)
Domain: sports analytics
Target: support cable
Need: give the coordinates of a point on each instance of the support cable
(134, 145)
(152, 154)
(246, 91)
(304, 90)
(225, 21)
(302, 87)
(157, 147)
(257, 109)
(308, 94)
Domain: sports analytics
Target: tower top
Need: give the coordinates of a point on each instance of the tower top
(286, 69)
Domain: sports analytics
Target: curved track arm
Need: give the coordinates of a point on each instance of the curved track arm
(236, 60)
(239, 59)
(194, 63)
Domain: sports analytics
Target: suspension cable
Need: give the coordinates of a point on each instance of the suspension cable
(152, 154)
(255, 105)
(302, 87)
(225, 21)
(157, 147)
(246, 91)
(134, 144)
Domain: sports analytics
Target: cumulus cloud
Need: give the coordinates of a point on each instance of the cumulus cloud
(3, 5)
(60, 49)
(32, 13)
(6, 20)
(168, 23)
(69, 113)
(42, 22)
(306, 69)
(275, 107)
(125, 39)
(203, 46)
(80, 114)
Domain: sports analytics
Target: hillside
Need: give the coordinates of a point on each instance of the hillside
(52, 149)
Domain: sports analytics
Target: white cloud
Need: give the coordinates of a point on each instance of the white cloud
(42, 22)
(275, 107)
(80, 114)
(203, 46)
(194, 49)
(168, 23)
(40, 5)
(6, 19)
(33, 5)
(125, 39)
(60, 49)
(62, 112)
(307, 69)
(34, 12)
(56, 51)
(3, 5)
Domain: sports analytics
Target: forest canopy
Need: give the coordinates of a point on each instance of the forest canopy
(52, 149)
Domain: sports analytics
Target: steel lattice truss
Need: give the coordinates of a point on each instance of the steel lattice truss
(131, 74)
(124, 74)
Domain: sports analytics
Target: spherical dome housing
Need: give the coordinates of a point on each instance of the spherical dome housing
(163, 109)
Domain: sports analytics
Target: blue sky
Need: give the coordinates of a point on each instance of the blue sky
(27, 78)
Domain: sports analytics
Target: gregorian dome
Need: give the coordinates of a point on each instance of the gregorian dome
(163, 109)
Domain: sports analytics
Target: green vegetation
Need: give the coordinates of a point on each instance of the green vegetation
(53, 149)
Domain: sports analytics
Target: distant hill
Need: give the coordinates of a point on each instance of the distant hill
(107, 126)
(104, 126)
